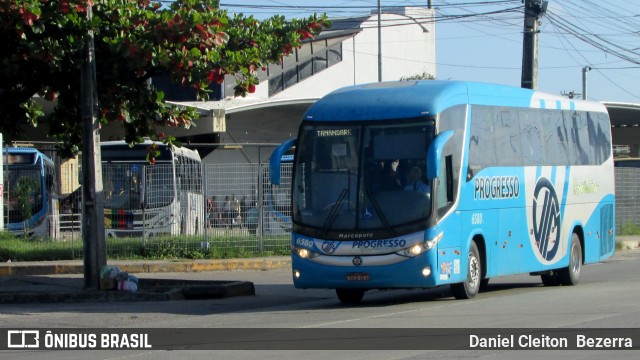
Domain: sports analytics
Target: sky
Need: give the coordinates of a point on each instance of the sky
(482, 40)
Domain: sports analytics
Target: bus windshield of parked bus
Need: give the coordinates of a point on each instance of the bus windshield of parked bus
(128, 179)
(26, 189)
(123, 186)
(382, 189)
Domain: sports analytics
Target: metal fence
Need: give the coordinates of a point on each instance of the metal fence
(237, 212)
(627, 198)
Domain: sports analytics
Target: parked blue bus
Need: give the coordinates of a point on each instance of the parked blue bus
(417, 184)
(31, 201)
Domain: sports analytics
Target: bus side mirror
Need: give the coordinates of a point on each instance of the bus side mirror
(434, 154)
(276, 159)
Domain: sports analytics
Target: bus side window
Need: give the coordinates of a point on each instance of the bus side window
(444, 194)
(449, 171)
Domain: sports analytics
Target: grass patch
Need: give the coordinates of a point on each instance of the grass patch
(161, 248)
(629, 229)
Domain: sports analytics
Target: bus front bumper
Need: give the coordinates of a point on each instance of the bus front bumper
(416, 272)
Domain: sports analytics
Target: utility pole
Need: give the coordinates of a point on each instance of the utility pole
(584, 81)
(95, 255)
(379, 43)
(533, 11)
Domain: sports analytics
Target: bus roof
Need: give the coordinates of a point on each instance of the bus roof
(190, 153)
(410, 99)
(27, 150)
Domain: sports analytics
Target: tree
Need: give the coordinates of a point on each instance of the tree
(25, 197)
(194, 42)
(424, 76)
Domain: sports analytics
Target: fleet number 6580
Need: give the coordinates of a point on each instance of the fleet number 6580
(476, 219)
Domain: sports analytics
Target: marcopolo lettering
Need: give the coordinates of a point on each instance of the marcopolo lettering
(354, 236)
(496, 187)
(379, 244)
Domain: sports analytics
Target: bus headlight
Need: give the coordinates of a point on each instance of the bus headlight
(426, 271)
(415, 250)
(412, 251)
(418, 249)
(305, 253)
(431, 243)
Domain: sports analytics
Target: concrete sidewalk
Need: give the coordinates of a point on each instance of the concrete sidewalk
(62, 281)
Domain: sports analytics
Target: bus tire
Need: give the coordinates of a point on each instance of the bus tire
(484, 284)
(571, 274)
(350, 296)
(550, 279)
(471, 286)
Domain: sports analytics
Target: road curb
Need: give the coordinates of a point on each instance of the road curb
(149, 290)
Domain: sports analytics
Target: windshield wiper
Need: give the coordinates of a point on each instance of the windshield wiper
(333, 214)
(378, 210)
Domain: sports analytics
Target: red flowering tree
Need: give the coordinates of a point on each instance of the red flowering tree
(193, 42)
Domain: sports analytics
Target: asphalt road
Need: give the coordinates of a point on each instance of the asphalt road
(607, 297)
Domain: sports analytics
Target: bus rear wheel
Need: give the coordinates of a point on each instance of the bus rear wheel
(350, 296)
(471, 286)
(571, 274)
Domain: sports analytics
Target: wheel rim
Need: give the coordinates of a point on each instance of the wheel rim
(575, 260)
(474, 272)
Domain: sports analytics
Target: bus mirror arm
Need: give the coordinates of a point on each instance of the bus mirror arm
(276, 159)
(434, 154)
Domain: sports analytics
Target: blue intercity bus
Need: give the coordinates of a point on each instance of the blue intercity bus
(417, 184)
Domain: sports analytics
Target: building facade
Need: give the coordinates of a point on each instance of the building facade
(346, 54)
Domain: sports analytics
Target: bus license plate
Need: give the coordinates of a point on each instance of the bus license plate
(358, 276)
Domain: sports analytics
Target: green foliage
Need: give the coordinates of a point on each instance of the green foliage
(629, 229)
(25, 190)
(193, 42)
(32, 249)
(423, 76)
(163, 248)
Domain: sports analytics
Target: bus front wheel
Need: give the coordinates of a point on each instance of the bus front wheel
(471, 286)
(350, 296)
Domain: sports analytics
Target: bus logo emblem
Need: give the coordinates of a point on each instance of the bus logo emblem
(329, 247)
(546, 218)
(357, 261)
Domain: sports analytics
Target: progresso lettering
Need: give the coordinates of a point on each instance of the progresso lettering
(380, 244)
(336, 132)
(498, 187)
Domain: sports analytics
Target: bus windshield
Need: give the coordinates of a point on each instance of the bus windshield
(137, 185)
(362, 176)
(26, 194)
(123, 187)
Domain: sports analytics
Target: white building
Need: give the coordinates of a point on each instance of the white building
(346, 54)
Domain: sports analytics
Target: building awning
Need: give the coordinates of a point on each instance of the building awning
(232, 105)
(623, 114)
